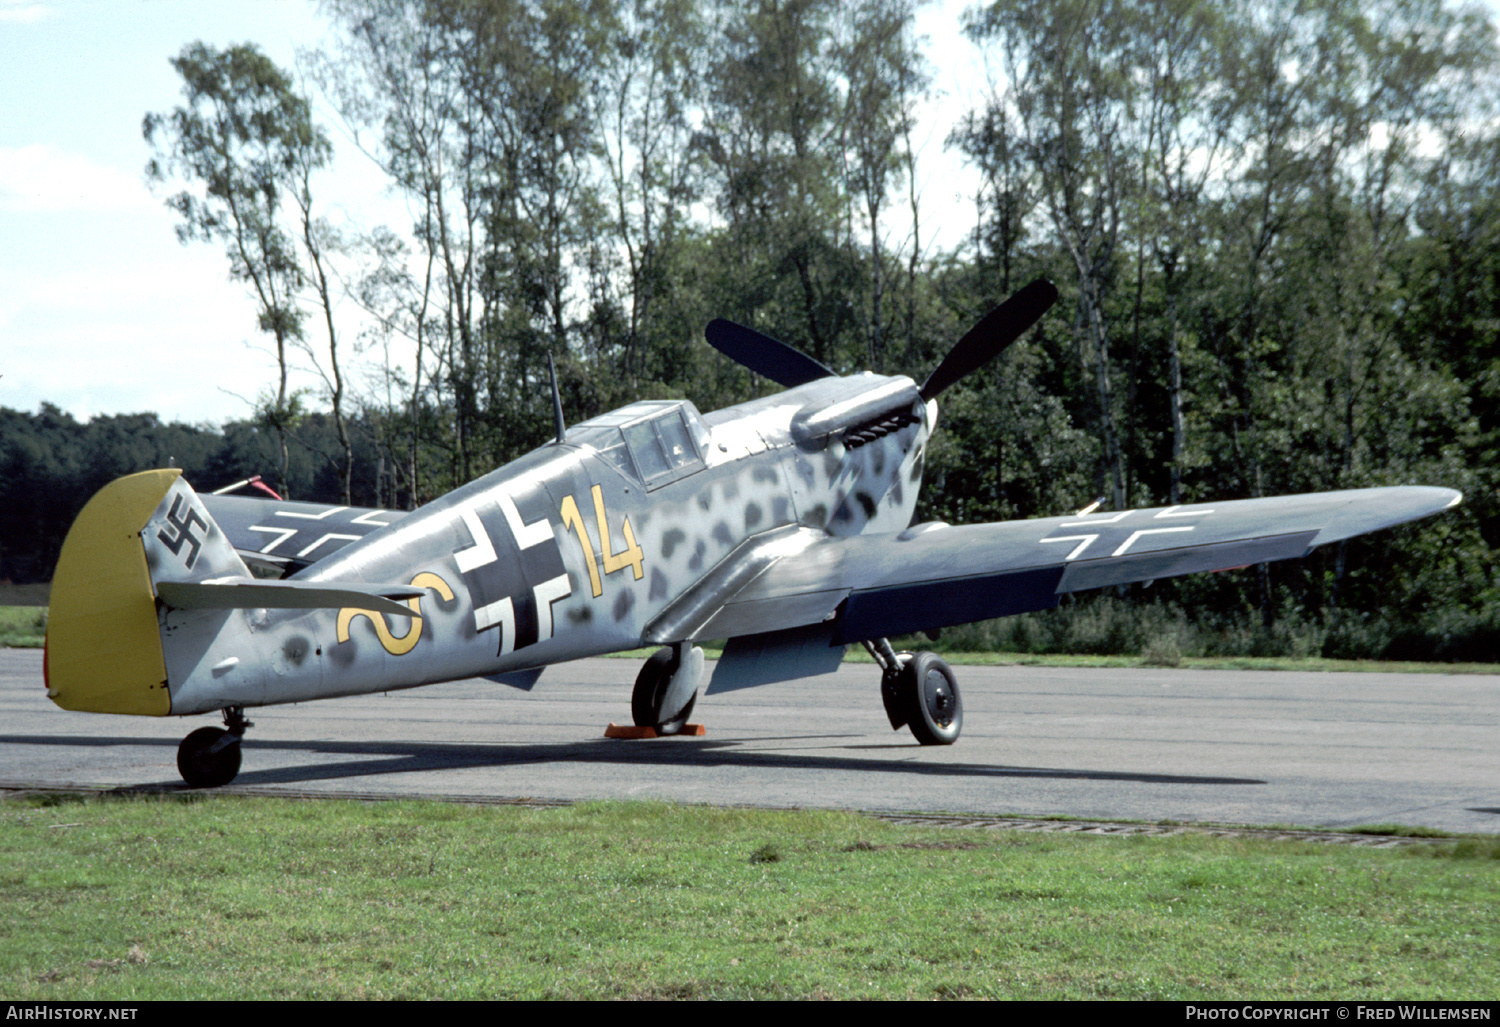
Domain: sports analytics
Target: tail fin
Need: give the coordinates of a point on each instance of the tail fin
(103, 646)
(143, 544)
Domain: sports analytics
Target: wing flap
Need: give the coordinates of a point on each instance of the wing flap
(926, 605)
(751, 660)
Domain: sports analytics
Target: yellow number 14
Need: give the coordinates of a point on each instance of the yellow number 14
(631, 556)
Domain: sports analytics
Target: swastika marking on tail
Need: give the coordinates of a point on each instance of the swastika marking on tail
(183, 526)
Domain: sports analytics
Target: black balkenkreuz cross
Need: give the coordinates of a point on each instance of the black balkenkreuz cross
(1119, 534)
(514, 569)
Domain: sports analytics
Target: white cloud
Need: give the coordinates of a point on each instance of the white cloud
(24, 12)
(160, 330)
(42, 177)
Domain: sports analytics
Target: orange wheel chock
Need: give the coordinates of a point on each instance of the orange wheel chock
(631, 731)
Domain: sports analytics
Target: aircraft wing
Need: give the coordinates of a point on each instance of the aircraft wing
(933, 576)
(276, 537)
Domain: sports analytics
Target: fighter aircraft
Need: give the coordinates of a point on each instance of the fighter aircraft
(782, 525)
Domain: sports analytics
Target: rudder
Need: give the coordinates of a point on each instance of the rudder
(104, 652)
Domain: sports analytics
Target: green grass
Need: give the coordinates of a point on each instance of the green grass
(23, 627)
(236, 897)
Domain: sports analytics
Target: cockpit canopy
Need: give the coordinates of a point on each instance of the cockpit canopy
(655, 442)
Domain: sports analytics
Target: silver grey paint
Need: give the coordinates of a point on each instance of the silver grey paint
(773, 524)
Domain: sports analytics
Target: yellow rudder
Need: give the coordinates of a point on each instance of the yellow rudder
(103, 644)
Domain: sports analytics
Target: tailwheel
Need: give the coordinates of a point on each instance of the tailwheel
(210, 756)
(652, 693)
(929, 693)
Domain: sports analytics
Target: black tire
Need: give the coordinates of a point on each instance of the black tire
(203, 769)
(935, 712)
(651, 688)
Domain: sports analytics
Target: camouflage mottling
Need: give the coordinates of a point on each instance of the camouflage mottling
(624, 603)
(296, 649)
(526, 583)
(780, 513)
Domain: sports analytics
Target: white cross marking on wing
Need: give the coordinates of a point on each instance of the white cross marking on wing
(1082, 545)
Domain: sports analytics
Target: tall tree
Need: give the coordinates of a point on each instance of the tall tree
(1068, 77)
(400, 84)
(239, 140)
(646, 118)
(533, 70)
(883, 78)
(1187, 57)
(771, 131)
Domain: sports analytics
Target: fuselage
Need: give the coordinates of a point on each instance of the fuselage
(573, 550)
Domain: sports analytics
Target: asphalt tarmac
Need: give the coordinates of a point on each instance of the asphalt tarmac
(1238, 747)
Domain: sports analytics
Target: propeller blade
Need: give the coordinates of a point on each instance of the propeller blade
(764, 355)
(984, 342)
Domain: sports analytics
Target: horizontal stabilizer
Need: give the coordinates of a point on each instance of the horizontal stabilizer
(250, 593)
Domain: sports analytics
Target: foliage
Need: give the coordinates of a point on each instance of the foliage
(1163, 633)
(51, 464)
(22, 627)
(245, 142)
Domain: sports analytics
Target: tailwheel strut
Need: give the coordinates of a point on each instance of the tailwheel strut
(210, 757)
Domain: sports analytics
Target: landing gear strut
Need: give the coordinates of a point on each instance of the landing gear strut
(667, 688)
(210, 756)
(920, 692)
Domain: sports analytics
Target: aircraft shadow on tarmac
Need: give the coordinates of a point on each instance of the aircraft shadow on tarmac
(422, 757)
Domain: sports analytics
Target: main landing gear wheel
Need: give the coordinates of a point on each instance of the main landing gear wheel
(929, 693)
(651, 686)
(210, 756)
